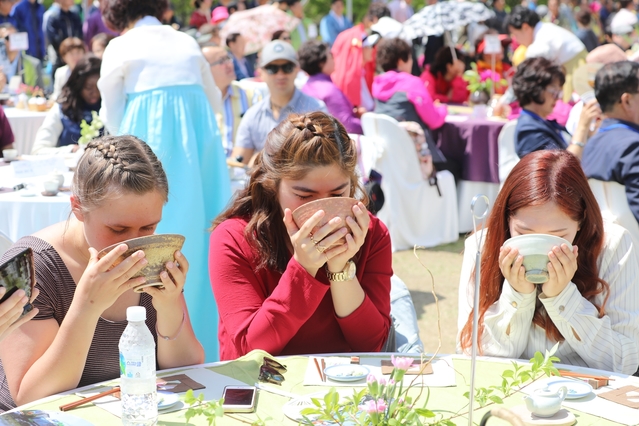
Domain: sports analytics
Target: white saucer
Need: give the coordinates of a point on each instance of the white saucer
(346, 372)
(167, 400)
(576, 388)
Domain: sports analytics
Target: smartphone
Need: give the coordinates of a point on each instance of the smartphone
(239, 399)
(18, 273)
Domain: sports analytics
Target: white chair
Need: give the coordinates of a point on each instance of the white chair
(613, 203)
(414, 212)
(466, 191)
(5, 243)
(507, 154)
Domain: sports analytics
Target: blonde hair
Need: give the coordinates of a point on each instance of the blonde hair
(113, 165)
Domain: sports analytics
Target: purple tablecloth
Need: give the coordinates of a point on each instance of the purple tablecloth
(472, 145)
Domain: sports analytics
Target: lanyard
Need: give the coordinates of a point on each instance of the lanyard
(618, 126)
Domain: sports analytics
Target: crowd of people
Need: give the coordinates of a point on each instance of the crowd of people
(178, 108)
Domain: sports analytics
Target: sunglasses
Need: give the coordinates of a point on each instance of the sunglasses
(271, 371)
(223, 60)
(286, 68)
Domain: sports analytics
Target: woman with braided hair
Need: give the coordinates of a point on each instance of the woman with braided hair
(157, 85)
(276, 288)
(119, 189)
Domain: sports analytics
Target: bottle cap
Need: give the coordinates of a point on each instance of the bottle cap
(136, 313)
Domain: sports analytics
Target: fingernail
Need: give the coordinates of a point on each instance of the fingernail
(356, 209)
(343, 231)
(122, 247)
(139, 253)
(178, 253)
(143, 262)
(21, 293)
(163, 274)
(170, 265)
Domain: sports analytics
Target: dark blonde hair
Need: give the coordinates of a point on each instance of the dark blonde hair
(113, 165)
(69, 44)
(296, 146)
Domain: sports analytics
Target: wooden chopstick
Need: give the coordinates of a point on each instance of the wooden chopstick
(323, 368)
(319, 370)
(567, 373)
(75, 404)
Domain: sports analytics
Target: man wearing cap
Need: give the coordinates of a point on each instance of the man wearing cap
(623, 29)
(612, 154)
(236, 100)
(278, 67)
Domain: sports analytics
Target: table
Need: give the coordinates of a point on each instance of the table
(21, 216)
(471, 143)
(447, 400)
(25, 125)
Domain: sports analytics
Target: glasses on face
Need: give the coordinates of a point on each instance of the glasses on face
(286, 68)
(287, 38)
(554, 92)
(271, 371)
(223, 60)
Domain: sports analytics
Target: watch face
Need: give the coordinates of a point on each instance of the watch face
(350, 270)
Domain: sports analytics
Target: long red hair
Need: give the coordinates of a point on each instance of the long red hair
(540, 177)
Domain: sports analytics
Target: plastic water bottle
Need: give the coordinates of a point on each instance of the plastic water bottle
(137, 371)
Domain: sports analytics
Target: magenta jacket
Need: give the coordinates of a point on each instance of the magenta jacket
(386, 85)
(320, 86)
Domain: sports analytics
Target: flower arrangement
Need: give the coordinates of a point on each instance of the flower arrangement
(483, 81)
(88, 132)
(31, 91)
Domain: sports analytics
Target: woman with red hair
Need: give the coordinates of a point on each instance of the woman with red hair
(590, 303)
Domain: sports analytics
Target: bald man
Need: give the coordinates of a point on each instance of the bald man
(235, 99)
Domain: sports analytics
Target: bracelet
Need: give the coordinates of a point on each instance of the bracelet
(581, 144)
(176, 334)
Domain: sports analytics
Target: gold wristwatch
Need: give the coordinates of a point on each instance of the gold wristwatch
(346, 275)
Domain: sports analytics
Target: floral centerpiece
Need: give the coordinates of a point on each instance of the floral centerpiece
(31, 97)
(481, 84)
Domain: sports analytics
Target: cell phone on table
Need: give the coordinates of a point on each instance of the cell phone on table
(239, 399)
(18, 273)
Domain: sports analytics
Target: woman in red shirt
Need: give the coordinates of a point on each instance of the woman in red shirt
(443, 78)
(202, 13)
(278, 287)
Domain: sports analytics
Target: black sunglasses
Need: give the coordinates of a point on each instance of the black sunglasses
(286, 68)
(271, 371)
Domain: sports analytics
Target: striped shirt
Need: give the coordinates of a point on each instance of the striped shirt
(56, 294)
(608, 343)
(236, 102)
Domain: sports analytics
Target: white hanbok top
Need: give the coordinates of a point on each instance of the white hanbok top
(554, 43)
(151, 56)
(609, 343)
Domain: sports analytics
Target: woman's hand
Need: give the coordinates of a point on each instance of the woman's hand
(101, 283)
(12, 308)
(308, 247)
(511, 265)
(589, 114)
(173, 282)
(561, 269)
(359, 229)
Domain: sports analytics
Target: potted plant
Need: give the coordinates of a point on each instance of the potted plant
(481, 84)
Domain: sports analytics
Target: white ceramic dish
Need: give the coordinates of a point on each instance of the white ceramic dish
(576, 388)
(167, 400)
(42, 418)
(535, 248)
(346, 372)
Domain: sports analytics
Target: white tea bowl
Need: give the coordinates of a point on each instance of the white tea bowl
(535, 248)
(10, 154)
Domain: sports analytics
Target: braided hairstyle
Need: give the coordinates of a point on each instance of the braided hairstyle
(113, 165)
(299, 144)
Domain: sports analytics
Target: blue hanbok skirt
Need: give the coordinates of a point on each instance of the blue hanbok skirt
(179, 125)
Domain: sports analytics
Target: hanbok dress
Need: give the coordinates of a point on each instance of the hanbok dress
(157, 86)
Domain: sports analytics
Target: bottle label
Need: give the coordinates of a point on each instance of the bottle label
(137, 367)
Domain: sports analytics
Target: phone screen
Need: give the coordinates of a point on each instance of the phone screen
(239, 396)
(18, 273)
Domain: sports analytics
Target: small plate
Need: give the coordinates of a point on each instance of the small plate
(44, 418)
(167, 400)
(346, 372)
(576, 388)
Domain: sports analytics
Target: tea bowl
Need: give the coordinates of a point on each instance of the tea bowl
(158, 250)
(341, 207)
(535, 248)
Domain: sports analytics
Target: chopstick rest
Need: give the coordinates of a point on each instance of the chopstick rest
(75, 404)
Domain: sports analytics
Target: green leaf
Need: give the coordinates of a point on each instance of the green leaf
(496, 399)
(424, 412)
(539, 358)
(508, 373)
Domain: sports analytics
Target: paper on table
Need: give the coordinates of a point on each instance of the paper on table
(214, 387)
(600, 407)
(443, 373)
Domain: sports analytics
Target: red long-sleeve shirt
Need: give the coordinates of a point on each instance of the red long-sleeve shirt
(293, 313)
(438, 88)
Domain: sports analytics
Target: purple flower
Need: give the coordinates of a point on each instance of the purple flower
(401, 363)
(371, 379)
(372, 406)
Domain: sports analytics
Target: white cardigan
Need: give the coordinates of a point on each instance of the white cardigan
(48, 134)
(149, 56)
(609, 343)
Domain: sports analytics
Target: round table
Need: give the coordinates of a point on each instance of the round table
(25, 125)
(24, 215)
(448, 401)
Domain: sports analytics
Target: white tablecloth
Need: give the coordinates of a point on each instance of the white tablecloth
(24, 124)
(21, 216)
